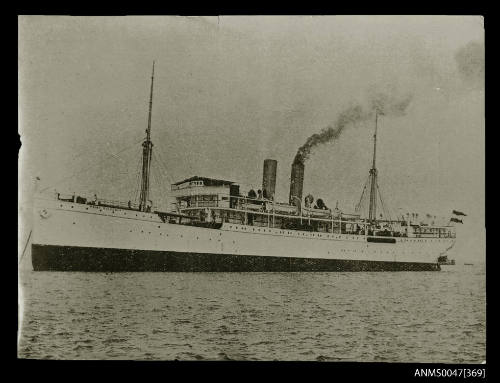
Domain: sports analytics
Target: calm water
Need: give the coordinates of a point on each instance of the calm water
(403, 317)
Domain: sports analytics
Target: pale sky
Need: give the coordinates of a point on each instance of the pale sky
(232, 91)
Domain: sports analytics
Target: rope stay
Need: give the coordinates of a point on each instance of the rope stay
(112, 156)
(160, 175)
(385, 210)
(358, 206)
(362, 201)
(157, 178)
(137, 180)
(25, 246)
(163, 167)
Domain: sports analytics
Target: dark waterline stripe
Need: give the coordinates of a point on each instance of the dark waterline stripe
(72, 258)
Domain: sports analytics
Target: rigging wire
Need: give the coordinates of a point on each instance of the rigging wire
(157, 175)
(358, 206)
(157, 165)
(25, 246)
(163, 175)
(164, 169)
(137, 180)
(386, 211)
(114, 156)
(156, 181)
(157, 171)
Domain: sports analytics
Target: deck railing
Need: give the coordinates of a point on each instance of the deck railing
(267, 210)
(343, 223)
(98, 201)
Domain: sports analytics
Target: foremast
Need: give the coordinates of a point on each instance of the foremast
(372, 211)
(147, 153)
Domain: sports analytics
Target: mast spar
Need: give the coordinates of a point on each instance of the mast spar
(372, 212)
(147, 151)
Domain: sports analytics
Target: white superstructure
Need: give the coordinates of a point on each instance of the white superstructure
(68, 224)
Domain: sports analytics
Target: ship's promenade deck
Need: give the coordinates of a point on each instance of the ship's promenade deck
(257, 214)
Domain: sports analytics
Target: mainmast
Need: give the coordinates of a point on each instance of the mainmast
(147, 152)
(372, 213)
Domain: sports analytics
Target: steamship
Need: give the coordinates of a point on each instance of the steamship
(214, 227)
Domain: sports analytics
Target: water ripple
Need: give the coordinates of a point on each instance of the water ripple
(385, 317)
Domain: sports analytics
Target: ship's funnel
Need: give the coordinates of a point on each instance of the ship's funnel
(269, 178)
(296, 181)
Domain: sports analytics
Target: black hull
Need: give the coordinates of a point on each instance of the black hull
(68, 258)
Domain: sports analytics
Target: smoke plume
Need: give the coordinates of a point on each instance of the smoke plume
(380, 102)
